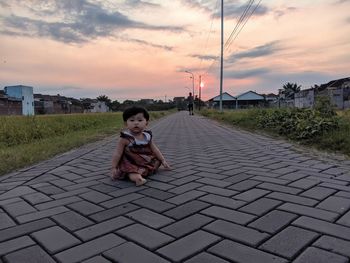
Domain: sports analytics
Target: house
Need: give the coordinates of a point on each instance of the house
(249, 99)
(270, 97)
(228, 101)
(10, 105)
(94, 106)
(24, 94)
(146, 101)
(337, 90)
(271, 100)
(48, 104)
(180, 103)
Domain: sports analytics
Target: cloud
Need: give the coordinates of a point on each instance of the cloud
(4, 4)
(204, 57)
(338, 2)
(204, 5)
(275, 80)
(259, 51)
(284, 11)
(140, 3)
(73, 21)
(244, 74)
(146, 43)
(270, 80)
(234, 10)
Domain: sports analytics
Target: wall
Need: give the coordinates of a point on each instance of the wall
(304, 99)
(10, 107)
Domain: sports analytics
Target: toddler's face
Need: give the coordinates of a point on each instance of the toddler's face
(136, 123)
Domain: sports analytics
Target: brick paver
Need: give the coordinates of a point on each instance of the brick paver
(232, 196)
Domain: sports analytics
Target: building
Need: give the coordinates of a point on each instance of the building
(245, 100)
(9, 105)
(94, 106)
(180, 103)
(337, 90)
(228, 101)
(24, 94)
(57, 104)
(250, 99)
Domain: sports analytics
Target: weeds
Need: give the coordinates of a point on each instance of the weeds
(321, 127)
(27, 140)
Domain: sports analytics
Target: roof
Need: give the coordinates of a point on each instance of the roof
(225, 97)
(179, 99)
(250, 95)
(333, 83)
(270, 95)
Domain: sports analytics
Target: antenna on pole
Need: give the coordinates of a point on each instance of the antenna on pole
(222, 51)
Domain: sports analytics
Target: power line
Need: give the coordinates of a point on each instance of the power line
(244, 23)
(241, 19)
(234, 32)
(211, 26)
(249, 2)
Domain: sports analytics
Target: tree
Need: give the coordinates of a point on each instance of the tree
(105, 99)
(290, 89)
(115, 105)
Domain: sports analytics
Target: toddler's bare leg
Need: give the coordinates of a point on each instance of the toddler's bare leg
(137, 179)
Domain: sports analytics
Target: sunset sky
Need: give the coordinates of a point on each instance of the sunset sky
(137, 49)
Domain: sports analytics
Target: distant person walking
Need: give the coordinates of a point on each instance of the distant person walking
(190, 103)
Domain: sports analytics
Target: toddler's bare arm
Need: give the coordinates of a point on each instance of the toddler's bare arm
(118, 154)
(159, 155)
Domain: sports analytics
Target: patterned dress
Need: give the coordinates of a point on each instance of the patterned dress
(137, 157)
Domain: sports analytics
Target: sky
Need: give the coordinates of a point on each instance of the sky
(141, 49)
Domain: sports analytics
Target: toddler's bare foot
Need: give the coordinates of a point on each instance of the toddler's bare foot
(140, 181)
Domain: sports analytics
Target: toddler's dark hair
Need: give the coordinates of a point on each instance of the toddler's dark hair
(133, 111)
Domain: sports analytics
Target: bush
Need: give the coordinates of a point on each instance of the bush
(301, 124)
(324, 107)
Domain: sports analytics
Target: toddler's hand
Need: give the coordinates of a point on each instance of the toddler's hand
(166, 165)
(114, 173)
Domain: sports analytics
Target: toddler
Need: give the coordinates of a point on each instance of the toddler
(136, 155)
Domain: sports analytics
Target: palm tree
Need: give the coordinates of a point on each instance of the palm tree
(105, 99)
(290, 89)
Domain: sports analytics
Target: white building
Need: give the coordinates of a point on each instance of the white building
(100, 106)
(24, 93)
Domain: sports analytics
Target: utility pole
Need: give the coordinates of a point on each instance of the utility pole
(222, 51)
(200, 91)
(192, 77)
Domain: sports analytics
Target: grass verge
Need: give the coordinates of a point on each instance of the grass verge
(24, 143)
(334, 140)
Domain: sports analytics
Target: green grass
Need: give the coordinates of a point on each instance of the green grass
(27, 140)
(332, 141)
(245, 119)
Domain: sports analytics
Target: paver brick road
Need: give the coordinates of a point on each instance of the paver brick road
(232, 196)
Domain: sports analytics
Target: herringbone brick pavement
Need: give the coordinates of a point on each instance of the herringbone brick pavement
(232, 196)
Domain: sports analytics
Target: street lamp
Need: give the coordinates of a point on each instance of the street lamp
(189, 72)
(201, 85)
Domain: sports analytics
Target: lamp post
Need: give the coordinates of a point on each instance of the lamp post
(189, 72)
(201, 85)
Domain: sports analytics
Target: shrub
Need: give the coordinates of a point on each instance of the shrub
(302, 124)
(324, 107)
